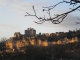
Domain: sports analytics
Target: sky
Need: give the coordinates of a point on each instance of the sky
(12, 17)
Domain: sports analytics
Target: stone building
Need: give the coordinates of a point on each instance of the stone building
(30, 32)
(20, 40)
(17, 34)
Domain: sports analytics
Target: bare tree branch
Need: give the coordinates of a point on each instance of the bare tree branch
(51, 7)
(58, 18)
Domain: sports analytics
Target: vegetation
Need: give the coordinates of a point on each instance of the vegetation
(60, 36)
(2, 44)
(39, 48)
(67, 51)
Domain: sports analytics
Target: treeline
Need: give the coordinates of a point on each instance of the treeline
(60, 36)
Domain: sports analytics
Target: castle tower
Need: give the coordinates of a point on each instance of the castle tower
(30, 32)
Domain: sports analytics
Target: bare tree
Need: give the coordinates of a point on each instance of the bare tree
(58, 18)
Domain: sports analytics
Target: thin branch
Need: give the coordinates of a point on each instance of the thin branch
(78, 19)
(72, 2)
(77, 22)
(78, 9)
(51, 7)
(58, 17)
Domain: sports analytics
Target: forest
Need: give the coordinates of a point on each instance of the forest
(57, 51)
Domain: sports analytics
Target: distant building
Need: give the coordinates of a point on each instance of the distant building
(30, 32)
(17, 34)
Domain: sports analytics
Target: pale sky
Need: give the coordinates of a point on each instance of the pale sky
(12, 17)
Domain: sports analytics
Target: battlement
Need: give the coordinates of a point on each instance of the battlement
(30, 32)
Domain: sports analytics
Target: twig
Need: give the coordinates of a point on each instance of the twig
(58, 17)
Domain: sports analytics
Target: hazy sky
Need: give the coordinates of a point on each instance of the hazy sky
(12, 17)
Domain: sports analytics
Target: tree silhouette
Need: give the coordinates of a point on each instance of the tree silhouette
(58, 18)
(3, 43)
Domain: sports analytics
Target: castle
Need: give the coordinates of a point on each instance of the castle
(20, 39)
(30, 32)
